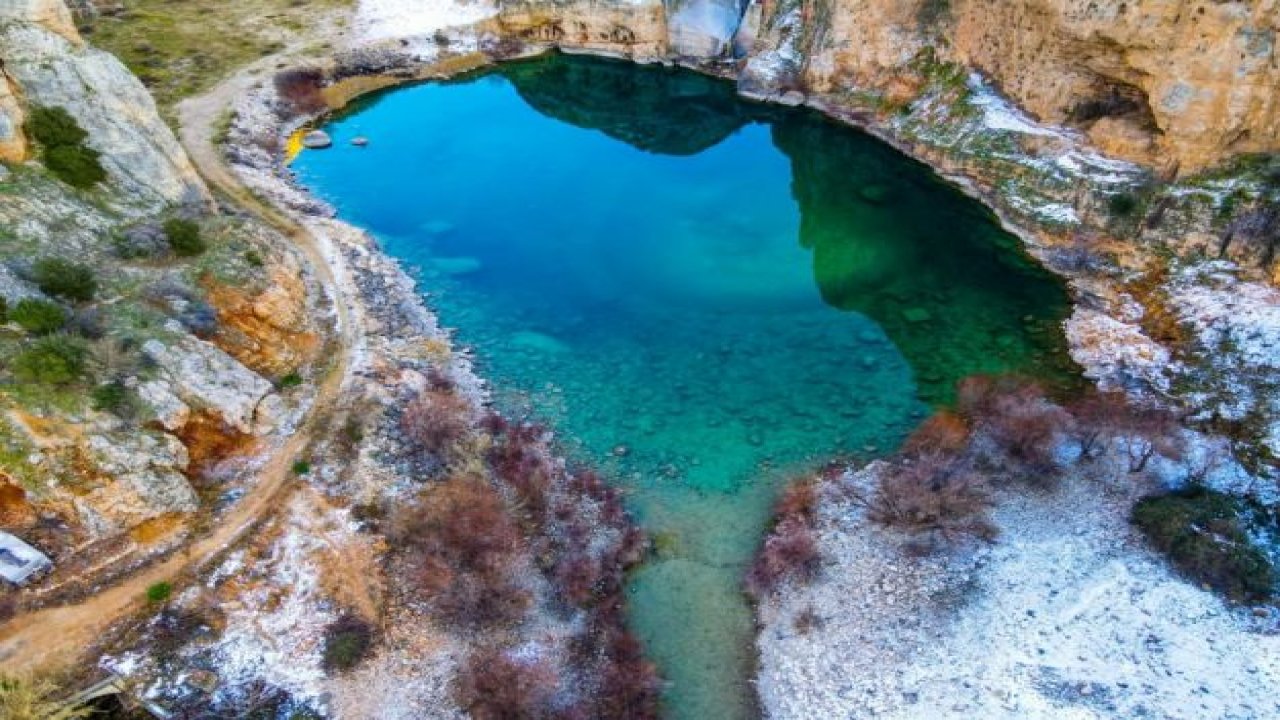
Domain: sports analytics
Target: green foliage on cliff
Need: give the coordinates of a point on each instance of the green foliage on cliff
(63, 150)
(39, 317)
(1206, 536)
(65, 279)
(52, 360)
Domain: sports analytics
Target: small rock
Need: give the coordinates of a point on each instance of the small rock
(360, 141)
(791, 98)
(621, 451)
(317, 140)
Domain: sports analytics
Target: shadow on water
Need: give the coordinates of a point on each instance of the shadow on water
(703, 296)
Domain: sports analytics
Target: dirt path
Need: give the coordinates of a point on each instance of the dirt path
(61, 635)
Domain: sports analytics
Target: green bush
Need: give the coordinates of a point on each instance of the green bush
(39, 317)
(159, 593)
(347, 642)
(66, 279)
(112, 397)
(301, 467)
(75, 165)
(65, 153)
(54, 127)
(1204, 534)
(1122, 204)
(184, 237)
(55, 360)
(292, 380)
(4, 310)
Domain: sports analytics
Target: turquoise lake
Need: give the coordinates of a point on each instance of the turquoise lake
(703, 296)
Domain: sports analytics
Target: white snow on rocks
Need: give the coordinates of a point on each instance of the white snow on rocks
(1116, 354)
(378, 20)
(1066, 615)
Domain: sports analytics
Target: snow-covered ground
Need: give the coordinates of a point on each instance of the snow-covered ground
(1067, 615)
(378, 20)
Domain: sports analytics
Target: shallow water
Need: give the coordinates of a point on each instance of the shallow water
(703, 296)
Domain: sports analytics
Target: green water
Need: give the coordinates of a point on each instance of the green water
(703, 296)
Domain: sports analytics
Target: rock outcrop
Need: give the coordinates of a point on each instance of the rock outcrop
(45, 62)
(204, 377)
(1180, 84)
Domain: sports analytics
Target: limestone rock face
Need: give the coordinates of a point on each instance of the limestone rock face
(703, 28)
(632, 28)
(145, 481)
(13, 142)
(45, 63)
(52, 15)
(204, 377)
(1175, 83)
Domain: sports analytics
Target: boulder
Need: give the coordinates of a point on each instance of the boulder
(317, 140)
(203, 376)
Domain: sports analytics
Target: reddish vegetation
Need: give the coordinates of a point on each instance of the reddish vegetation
(1015, 414)
(436, 421)
(300, 89)
(791, 550)
(935, 494)
(1142, 431)
(495, 686)
(942, 432)
(461, 543)
(15, 511)
(518, 460)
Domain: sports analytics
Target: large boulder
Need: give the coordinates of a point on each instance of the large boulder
(205, 378)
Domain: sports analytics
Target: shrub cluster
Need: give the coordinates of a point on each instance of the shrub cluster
(64, 152)
(461, 542)
(55, 360)
(347, 641)
(38, 317)
(790, 551)
(184, 237)
(1014, 414)
(65, 279)
(300, 90)
(436, 422)
(1205, 535)
(494, 685)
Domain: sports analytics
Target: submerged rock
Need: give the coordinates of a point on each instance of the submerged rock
(537, 341)
(317, 140)
(360, 141)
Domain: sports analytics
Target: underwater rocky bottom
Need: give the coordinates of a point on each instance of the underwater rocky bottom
(703, 296)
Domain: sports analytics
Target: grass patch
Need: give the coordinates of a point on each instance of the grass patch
(1206, 536)
(180, 49)
(159, 593)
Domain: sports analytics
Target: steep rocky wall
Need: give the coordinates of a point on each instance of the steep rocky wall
(45, 62)
(1177, 84)
(633, 29)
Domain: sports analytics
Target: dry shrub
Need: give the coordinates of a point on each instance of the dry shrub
(630, 685)
(493, 685)
(943, 432)
(1015, 414)
(1143, 431)
(790, 552)
(436, 422)
(461, 542)
(935, 495)
(519, 460)
(577, 576)
(300, 90)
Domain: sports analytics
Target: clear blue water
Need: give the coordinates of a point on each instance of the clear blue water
(703, 296)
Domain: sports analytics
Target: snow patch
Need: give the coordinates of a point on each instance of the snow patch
(378, 20)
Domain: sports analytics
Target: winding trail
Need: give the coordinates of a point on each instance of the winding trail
(60, 636)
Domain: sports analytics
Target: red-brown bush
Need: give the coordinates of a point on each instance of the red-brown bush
(944, 431)
(1015, 414)
(493, 685)
(630, 685)
(436, 422)
(461, 541)
(932, 494)
(300, 90)
(790, 552)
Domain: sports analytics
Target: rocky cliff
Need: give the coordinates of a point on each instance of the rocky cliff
(1179, 85)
